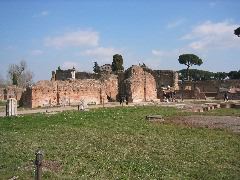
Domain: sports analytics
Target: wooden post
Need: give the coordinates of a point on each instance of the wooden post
(6, 110)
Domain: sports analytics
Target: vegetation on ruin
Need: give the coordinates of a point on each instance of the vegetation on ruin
(96, 67)
(117, 143)
(117, 64)
(237, 32)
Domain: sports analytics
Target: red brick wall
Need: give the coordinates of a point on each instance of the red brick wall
(140, 86)
(46, 93)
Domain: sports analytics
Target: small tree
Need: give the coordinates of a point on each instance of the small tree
(117, 64)
(237, 32)
(96, 68)
(189, 60)
(14, 79)
(19, 75)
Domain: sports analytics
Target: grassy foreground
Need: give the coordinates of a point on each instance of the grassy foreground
(116, 143)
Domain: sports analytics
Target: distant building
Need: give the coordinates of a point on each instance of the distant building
(62, 75)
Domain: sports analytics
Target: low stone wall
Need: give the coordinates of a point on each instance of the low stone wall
(231, 96)
(211, 85)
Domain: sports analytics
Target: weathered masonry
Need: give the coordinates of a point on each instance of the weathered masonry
(53, 93)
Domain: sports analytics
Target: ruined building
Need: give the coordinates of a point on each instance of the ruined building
(68, 87)
(11, 91)
(138, 85)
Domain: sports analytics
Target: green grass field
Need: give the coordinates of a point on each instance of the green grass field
(117, 143)
(2, 103)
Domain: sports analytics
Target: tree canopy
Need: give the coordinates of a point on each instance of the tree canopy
(200, 75)
(117, 64)
(96, 67)
(189, 60)
(234, 74)
(237, 32)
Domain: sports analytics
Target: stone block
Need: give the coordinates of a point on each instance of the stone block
(11, 107)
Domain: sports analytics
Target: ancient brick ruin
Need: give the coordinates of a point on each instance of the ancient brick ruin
(137, 84)
(68, 87)
(11, 92)
(69, 92)
(210, 88)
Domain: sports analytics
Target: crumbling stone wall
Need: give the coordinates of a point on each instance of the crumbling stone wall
(233, 94)
(87, 75)
(11, 91)
(62, 75)
(111, 86)
(211, 85)
(70, 92)
(1, 94)
(140, 85)
(164, 78)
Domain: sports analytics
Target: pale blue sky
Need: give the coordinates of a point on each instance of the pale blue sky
(48, 34)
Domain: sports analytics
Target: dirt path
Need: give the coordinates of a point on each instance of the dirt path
(52, 110)
(214, 122)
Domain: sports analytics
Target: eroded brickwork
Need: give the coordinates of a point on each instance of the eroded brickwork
(211, 85)
(139, 85)
(1, 94)
(164, 78)
(62, 75)
(11, 92)
(111, 86)
(70, 92)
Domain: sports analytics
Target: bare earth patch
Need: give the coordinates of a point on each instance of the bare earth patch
(214, 122)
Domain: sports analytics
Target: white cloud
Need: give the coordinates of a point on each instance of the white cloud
(175, 23)
(76, 38)
(70, 65)
(36, 52)
(210, 35)
(101, 54)
(158, 52)
(166, 53)
(44, 13)
(41, 14)
(212, 4)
